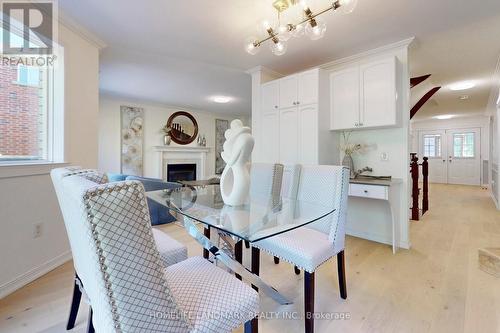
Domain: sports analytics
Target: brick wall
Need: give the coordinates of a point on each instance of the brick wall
(21, 117)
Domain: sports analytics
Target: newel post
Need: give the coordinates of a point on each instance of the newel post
(414, 191)
(425, 173)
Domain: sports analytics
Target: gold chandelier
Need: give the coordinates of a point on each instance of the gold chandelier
(306, 22)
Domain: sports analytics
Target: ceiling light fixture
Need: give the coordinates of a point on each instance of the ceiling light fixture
(221, 99)
(308, 23)
(464, 97)
(444, 116)
(464, 85)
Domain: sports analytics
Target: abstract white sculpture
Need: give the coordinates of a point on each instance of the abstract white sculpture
(235, 179)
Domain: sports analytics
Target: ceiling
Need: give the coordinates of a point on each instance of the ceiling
(182, 52)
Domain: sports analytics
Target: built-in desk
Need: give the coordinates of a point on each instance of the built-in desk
(371, 202)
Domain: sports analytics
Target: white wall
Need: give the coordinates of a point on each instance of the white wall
(26, 193)
(155, 118)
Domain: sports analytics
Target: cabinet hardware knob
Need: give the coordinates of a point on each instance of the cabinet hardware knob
(298, 103)
(360, 124)
(366, 191)
(356, 124)
(275, 106)
(294, 103)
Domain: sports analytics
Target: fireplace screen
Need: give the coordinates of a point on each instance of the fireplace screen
(178, 172)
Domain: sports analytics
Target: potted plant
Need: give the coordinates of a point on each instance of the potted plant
(349, 149)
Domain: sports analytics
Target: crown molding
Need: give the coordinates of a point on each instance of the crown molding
(405, 43)
(263, 69)
(81, 31)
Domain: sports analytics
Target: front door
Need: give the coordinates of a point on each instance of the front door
(464, 160)
(433, 145)
(454, 155)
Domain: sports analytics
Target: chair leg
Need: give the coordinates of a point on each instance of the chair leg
(206, 232)
(90, 324)
(297, 270)
(252, 326)
(255, 263)
(341, 270)
(276, 260)
(309, 301)
(247, 244)
(75, 304)
(238, 255)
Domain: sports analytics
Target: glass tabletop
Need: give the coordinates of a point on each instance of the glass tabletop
(261, 217)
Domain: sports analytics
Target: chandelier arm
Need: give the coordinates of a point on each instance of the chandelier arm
(334, 6)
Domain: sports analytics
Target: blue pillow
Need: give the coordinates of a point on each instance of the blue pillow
(116, 177)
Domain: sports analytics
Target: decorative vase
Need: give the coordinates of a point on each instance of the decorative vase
(235, 179)
(166, 139)
(348, 162)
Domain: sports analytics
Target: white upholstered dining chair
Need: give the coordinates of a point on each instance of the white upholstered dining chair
(310, 246)
(171, 251)
(125, 279)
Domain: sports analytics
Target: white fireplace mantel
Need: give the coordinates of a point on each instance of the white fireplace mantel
(180, 155)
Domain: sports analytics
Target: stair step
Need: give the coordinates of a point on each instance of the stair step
(489, 260)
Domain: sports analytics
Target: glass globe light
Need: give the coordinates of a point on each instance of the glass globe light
(278, 48)
(316, 32)
(284, 32)
(347, 6)
(250, 46)
(299, 30)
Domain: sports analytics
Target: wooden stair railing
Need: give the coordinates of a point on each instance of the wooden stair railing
(415, 193)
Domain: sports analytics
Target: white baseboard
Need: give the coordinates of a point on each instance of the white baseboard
(33, 274)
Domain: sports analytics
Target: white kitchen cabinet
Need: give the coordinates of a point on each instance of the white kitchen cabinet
(344, 99)
(378, 93)
(271, 136)
(308, 87)
(308, 130)
(288, 135)
(364, 95)
(270, 97)
(292, 130)
(288, 88)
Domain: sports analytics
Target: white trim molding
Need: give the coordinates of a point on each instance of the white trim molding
(33, 274)
(363, 55)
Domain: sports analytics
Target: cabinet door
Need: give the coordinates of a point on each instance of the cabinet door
(344, 99)
(308, 85)
(270, 97)
(308, 134)
(270, 137)
(288, 136)
(288, 91)
(378, 91)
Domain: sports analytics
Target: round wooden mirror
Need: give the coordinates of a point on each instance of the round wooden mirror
(183, 127)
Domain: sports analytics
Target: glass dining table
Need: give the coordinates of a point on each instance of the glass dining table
(263, 216)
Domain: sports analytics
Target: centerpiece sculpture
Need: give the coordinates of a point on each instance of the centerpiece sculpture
(235, 179)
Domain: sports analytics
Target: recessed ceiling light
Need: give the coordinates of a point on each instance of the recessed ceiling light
(464, 85)
(221, 99)
(444, 116)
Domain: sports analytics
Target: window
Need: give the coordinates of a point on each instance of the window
(28, 75)
(23, 113)
(463, 145)
(432, 145)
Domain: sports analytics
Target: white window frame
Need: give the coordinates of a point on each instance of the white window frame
(55, 118)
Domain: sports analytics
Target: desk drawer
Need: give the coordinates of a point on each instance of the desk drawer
(369, 191)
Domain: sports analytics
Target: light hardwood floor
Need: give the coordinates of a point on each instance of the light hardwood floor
(434, 287)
